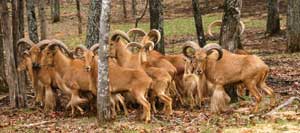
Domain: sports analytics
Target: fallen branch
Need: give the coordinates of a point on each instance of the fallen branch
(289, 101)
(38, 124)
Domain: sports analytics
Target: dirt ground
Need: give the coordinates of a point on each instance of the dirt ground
(284, 78)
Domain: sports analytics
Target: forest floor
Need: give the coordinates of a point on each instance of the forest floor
(284, 78)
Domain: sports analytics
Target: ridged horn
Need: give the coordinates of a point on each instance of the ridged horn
(242, 26)
(25, 41)
(214, 46)
(62, 45)
(211, 25)
(42, 44)
(149, 45)
(137, 31)
(118, 33)
(95, 47)
(154, 35)
(189, 44)
(79, 47)
(134, 44)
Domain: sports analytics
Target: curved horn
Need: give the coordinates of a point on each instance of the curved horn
(155, 34)
(189, 44)
(80, 47)
(42, 44)
(242, 26)
(118, 33)
(95, 47)
(62, 45)
(211, 25)
(214, 46)
(149, 45)
(134, 44)
(138, 31)
(25, 41)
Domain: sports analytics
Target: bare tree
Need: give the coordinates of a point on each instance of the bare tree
(16, 34)
(230, 34)
(133, 8)
(157, 21)
(103, 103)
(293, 26)
(230, 31)
(92, 33)
(21, 17)
(198, 23)
(55, 10)
(79, 16)
(273, 22)
(32, 25)
(124, 8)
(16, 99)
(3, 84)
(139, 18)
(42, 17)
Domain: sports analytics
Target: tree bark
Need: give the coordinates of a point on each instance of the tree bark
(230, 35)
(79, 16)
(55, 10)
(273, 22)
(133, 8)
(3, 84)
(198, 23)
(16, 99)
(103, 94)
(157, 22)
(230, 31)
(92, 33)
(293, 26)
(124, 8)
(16, 34)
(21, 17)
(32, 25)
(42, 17)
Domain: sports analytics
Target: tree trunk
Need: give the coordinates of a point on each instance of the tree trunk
(3, 84)
(32, 25)
(103, 94)
(157, 21)
(21, 17)
(16, 34)
(293, 26)
(230, 31)
(198, 23)
(133, 8)
(42, 17)
(92, 33)
(55, 10)
(206, 4)
(124, 8)
(230, 34)
(16, 99)
(79, 16)
(273, 22)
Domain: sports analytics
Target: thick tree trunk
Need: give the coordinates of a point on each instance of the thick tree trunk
(92, 33)
(32, 25)
(3, 84)
(21, 17)
(293, 26)
(79, 16)
(42, 17)
(16, 99)
(124, 8)
(133, 8)
(230, 34)
(55, 10)
(230, 31)
(16, 33)
(103, 94)
(273, 22)
(157, 21)
(198, 23)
